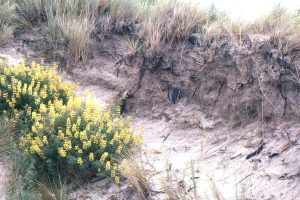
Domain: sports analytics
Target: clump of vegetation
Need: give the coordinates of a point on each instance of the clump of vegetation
(72, 22)
(30, 12)
(59, 132)
(166, 21)
(7, 16)
(24, 88)
(132, 167)
(7, 134)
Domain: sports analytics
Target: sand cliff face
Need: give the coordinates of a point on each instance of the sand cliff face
(237, 81)
(228, 109)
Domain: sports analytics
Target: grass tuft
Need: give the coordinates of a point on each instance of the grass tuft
(30, 12)
(7, 16)
(71, 22)
(132, 168)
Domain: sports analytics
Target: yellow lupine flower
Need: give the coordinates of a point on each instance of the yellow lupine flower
(118, 110)
(33, 129)
(68, 132)
(41, 126)
(61, 135)
(74, 128)
(29, 91)
(127, 139)
(76, 134)
(72, 114)
(68, 145)
(28, 111)
(91, 157)
(43, 94)
(34, 148)
(45, 140)
(107, 165)
(68, 122)
(89, 143)
(13, 100)
(5, 95)
(78, 122)
(79, 161)
(119, 149)
(2, 80)
(86, 144)
(43, 108)
(24, 90)
(113, 173)
(62, 152)
(104, 156)
(103, 143)
(137, 139)
(109, 127)
(88, 127)
(82, 135)
(117, 179)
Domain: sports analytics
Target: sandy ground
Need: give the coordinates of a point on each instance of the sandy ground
(215, 157)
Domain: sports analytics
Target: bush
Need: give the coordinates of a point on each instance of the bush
(63, 132)
(23, 89)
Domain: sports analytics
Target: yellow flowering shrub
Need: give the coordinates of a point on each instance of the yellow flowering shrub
(65, 132)
(26, 88)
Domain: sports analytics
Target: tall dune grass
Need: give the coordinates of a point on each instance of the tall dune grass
(7, 16)
(157, 23)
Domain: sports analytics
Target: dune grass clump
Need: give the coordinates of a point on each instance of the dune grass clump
(60, 131)
(7, 16)
(71, 22)
(30, 12)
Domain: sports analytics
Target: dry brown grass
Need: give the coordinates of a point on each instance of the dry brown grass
(7, 16)
(132, 167)
(119, 9)
(166, 21)
(53, 190)
(130, 46)
(7, 134)
(6, 33)
(77, 32)
(72, 22)
(30, 12)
